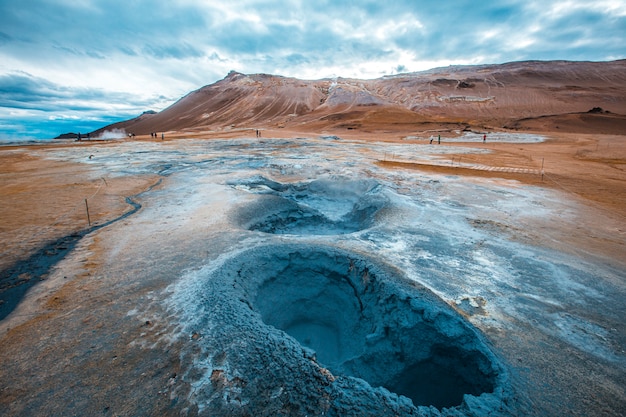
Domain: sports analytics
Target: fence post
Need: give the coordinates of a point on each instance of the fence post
(88, 218)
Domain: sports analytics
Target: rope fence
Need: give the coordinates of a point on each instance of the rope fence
(391, 157)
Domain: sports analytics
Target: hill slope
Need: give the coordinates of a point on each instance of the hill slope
(533, 95)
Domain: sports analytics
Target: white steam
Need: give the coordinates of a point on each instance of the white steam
(113, 134)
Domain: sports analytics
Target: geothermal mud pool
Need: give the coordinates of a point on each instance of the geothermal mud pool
(304, 279)
(319, 330)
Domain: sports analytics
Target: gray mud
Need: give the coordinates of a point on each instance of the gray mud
(316, 330)
(320, 207)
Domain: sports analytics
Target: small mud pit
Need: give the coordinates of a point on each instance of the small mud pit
(316, 323)
(321, 207)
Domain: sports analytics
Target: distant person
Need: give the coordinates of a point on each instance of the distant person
(79, 136)
(439, 139)
(431, 140)
(162, 136)
(484, 138)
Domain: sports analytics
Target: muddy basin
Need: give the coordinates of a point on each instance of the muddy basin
(318, 328)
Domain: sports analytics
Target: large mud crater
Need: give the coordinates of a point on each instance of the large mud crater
(308, 323)
(365, 328)
(320, 207)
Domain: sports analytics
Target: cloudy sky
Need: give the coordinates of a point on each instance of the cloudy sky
(76, 65)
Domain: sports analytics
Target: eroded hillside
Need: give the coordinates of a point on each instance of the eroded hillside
(530, 95)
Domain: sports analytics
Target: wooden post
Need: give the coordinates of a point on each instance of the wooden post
(88, 218)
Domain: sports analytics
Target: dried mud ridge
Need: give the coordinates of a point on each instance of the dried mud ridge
(309, 329)
(17, 279)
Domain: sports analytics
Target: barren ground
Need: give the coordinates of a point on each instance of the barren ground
(97, 332)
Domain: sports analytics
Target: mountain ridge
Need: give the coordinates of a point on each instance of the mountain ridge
(493, 96)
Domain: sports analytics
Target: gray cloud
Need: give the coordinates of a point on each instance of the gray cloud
(24, 91)
(84, 53)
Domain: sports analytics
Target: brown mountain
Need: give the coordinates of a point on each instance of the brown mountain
(533, 95)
